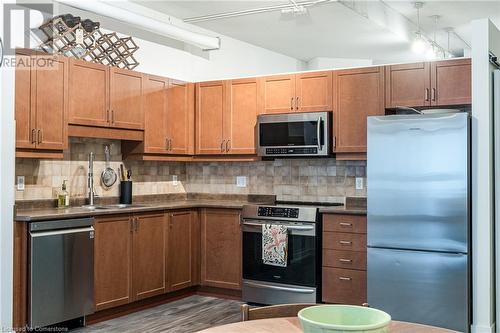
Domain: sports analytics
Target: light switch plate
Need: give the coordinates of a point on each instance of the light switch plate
(241, 181)
(359, 183)
(174, 180)
(20, 183)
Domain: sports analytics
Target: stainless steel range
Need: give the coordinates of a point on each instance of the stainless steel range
(299, 281)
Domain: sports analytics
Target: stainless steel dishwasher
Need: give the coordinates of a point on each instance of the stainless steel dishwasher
(61, 271)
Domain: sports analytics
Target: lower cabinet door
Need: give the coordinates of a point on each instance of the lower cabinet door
(221, 248)
(112, 261)
(183, 244)
(148, 255)
(344, 286)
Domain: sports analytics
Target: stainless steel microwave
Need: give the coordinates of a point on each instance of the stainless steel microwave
(294, 134)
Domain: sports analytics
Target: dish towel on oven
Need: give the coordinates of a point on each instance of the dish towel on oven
(274, 244)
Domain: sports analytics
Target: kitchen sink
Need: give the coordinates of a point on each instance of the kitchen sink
(94, 207)
(123, 206)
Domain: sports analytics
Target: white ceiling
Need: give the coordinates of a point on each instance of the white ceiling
(334, 30)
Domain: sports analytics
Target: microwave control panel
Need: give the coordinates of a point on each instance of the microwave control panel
(284, 212)
(291, 151)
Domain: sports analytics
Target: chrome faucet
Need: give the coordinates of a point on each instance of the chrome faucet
(90, 180)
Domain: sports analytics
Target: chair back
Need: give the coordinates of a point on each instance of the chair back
(272, 311)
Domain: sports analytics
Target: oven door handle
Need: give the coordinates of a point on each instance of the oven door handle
(291, 227)
(295, 290)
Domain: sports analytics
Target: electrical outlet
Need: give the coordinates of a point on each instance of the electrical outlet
(241, 181)
(175, 182)
(20, 183)
(359, 183)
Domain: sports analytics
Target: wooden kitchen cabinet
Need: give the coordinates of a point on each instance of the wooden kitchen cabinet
(451, 82)
(221, 252)
(125, 96)
(240, 117)
(313, 91)
(155, 107)
(357, 94)
(210, 107)
(148, 255)
(183, 250)
(105, 96)
(88, 93)
(41, 102)
(278, 93)
(180, 117)
(344, 259)
(301, 92)
(437, 83)
(113, 261)
(408, 85)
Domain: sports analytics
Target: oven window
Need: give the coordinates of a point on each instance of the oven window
(303, 133)
(301, 265)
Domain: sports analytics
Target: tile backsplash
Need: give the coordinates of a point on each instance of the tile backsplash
(289, 179)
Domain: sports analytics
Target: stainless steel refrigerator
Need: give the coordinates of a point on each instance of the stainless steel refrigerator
(418, 171)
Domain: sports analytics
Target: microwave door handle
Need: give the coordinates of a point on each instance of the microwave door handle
(318, 133)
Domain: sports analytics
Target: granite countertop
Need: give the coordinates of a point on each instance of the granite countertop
(352, 210)
(42, 212)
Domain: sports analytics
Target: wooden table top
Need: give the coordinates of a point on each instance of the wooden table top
(292, 325)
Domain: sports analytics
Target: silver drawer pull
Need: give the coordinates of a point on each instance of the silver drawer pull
(345, 242)
(345, 224)
(342, 278)
(345, 260)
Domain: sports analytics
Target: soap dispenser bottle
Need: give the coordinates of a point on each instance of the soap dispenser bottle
(63, 197)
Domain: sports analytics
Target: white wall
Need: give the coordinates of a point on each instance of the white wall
(7, 144)
(485, 37)
(177, 60)
(332, 63)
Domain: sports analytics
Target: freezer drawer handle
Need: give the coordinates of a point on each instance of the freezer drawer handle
(345, 260)
(345, 242)
(295, 290)
(343, 278)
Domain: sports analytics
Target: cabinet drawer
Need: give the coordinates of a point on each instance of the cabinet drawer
(344, 223)
(344, 241)
(344, 259)
(344, 286)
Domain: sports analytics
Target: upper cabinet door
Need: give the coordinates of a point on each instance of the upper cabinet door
(88, 93)
(278, 94)
(451, 82)
(125, 89)
(408, 85)
(51, 101)
(358, 93)
(25, 119)
(155, 113)
(241, 116)
(180, 118)
(313, 91)
(210, 100)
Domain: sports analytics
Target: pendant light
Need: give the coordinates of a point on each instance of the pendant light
(419, 44)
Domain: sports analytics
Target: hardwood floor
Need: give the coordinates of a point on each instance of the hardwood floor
(189, 314)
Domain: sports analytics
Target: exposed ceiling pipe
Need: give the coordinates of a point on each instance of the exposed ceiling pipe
(293, 5)
(98, 7)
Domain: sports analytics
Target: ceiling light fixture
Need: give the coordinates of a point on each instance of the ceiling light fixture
(98, 7)
(419, 44)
